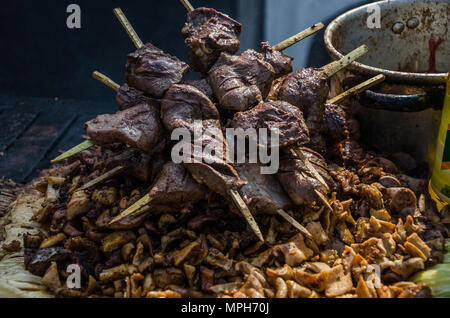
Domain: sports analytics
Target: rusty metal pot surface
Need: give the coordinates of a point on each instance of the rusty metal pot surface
(404, 119)
(398, 48)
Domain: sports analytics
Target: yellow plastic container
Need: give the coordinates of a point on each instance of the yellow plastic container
(440, 178)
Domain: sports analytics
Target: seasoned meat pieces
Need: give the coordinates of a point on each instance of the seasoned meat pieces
(334, 124)
(128, 97)
(281, 63)
(241, 82)
(138, 127)
(307, 89)
(263, 193)
(137, 164)
(220, 177)
(297, 181)
(333, 132)
(175, 189)
(182, 104)
(275, 115)
(152, 71)
(208, 33)
(202, 85)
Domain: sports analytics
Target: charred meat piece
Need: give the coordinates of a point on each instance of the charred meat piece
(263, 193)
(202, 85)
(175, 189)
(241, 82)
(220, 177)
(182, 104)
(128, 97)
(334, 124)
(333, 132)
(307, 89)
(281, 63)
(138, 127)
(297, 181)
(275, 115)
(152, 71)
(208, 33)
(137, 164)
(38, 262)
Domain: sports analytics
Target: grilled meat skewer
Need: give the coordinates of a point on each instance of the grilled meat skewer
(174, 190)
(149, 69)
(208, 33)
(308, 88)
(185, 106)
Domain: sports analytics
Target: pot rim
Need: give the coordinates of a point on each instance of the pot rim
(405, 77)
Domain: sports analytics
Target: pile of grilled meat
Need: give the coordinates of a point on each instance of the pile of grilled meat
(377, 226)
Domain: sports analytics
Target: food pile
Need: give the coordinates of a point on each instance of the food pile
(364, 225)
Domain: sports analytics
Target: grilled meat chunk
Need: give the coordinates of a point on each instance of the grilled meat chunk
(128, 96)
(307, 89)
(152, 71)
(241, 82)
(298, 182)
(175, 189)
(208, 33)
(263, 193)
(137, 164)
(38, 262)
(281, 63)
(138, 127)
(183, 104)
(202, 85)
(275, 115)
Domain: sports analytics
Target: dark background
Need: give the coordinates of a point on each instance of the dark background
(42, 57)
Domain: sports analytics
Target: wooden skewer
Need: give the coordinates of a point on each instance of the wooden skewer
(357, 89)
(69, 153)
(298, 37)
(336, 66)
(127, 25)
(294, 223)
(187, 5)
(323, 199)
(305, 160)
(103, 177)
(106, 80)
(134, 209)
(246, 212)
(331, 69)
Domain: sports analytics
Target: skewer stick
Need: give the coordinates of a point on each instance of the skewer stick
(323, 199)
(69, 153)
(106, 80)
(246, 212)
(103, 177)
(310, 167)
(336, 66)
(127, 25)
(298, 37)
(357, 89)
(294, 223)
(187, 5)
(134, 209)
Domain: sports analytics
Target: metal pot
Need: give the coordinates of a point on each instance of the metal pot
(405, 118)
